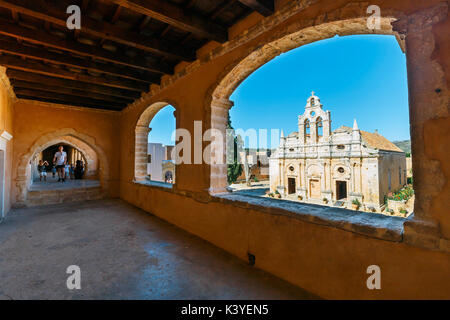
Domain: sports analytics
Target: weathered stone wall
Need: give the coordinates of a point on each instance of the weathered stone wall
(391, 163)
(326, 260)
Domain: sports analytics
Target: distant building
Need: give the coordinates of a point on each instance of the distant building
(160, 166)
(258, 160)
(345, 164)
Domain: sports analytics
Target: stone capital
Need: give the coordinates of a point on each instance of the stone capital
(143, 129)
(222, 103)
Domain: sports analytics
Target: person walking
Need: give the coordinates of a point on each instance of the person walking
(60, 160)
(42, 168)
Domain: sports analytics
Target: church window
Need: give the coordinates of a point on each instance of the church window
(341, 170)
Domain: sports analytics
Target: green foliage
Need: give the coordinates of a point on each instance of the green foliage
(356, 202)
(403, 194)
(234, 170)
(276, 192)
(255, 179)
(401, 210)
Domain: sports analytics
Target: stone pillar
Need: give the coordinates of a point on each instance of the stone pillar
(141, 152)
(219, 120)
(326, 123)
(313, 132)
(428, 96)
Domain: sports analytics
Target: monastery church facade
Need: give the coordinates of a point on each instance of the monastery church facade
(315, 164)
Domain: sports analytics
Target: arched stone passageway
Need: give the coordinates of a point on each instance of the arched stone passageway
(95, 159)
(76, 150)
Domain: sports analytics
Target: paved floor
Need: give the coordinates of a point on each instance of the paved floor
(53, 184)
(123, 253)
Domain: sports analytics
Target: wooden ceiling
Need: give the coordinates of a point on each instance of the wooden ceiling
(123, 45)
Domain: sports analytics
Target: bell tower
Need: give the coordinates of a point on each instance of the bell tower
(313, 119)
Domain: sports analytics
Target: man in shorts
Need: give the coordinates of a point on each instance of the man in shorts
(60, 160)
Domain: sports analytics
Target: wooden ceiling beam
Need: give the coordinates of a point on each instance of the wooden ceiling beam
(222, 8)
(14, 75)
(67, 98)
(72, 102)
(177, 17)
(56, 14)
(69, 91)
(264, 7)
(41, 37)
(36, 67)
(67, 60)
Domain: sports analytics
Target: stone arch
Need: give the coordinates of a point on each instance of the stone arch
(89, 155)
(74, 138)
(218, 102)
(142, 130)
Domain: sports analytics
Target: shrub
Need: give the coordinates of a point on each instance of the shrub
(403, 194)
(255, 179)
(356, 202)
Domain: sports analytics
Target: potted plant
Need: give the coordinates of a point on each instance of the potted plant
(277, 194)
(300, 197)
(325, 200)
(403, 211)
(355, 204)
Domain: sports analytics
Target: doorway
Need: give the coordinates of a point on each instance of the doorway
(314, 188)
(291, 186)
(341, 190)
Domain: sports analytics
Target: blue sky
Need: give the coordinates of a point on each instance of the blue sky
(362, 77)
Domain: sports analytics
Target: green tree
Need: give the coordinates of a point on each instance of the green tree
(234, 168)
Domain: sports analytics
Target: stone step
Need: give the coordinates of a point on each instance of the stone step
(39, 198)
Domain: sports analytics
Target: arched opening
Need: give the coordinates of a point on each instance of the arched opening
(79, 165)
(155, 141)
(93, 185)
(315, 130)
(319, 128)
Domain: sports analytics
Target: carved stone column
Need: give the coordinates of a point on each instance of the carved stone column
(219, 118)
(141, 152)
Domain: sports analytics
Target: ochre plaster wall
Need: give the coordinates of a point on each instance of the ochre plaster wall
(325, 260)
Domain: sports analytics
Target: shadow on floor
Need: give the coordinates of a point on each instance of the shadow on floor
(123, 253)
